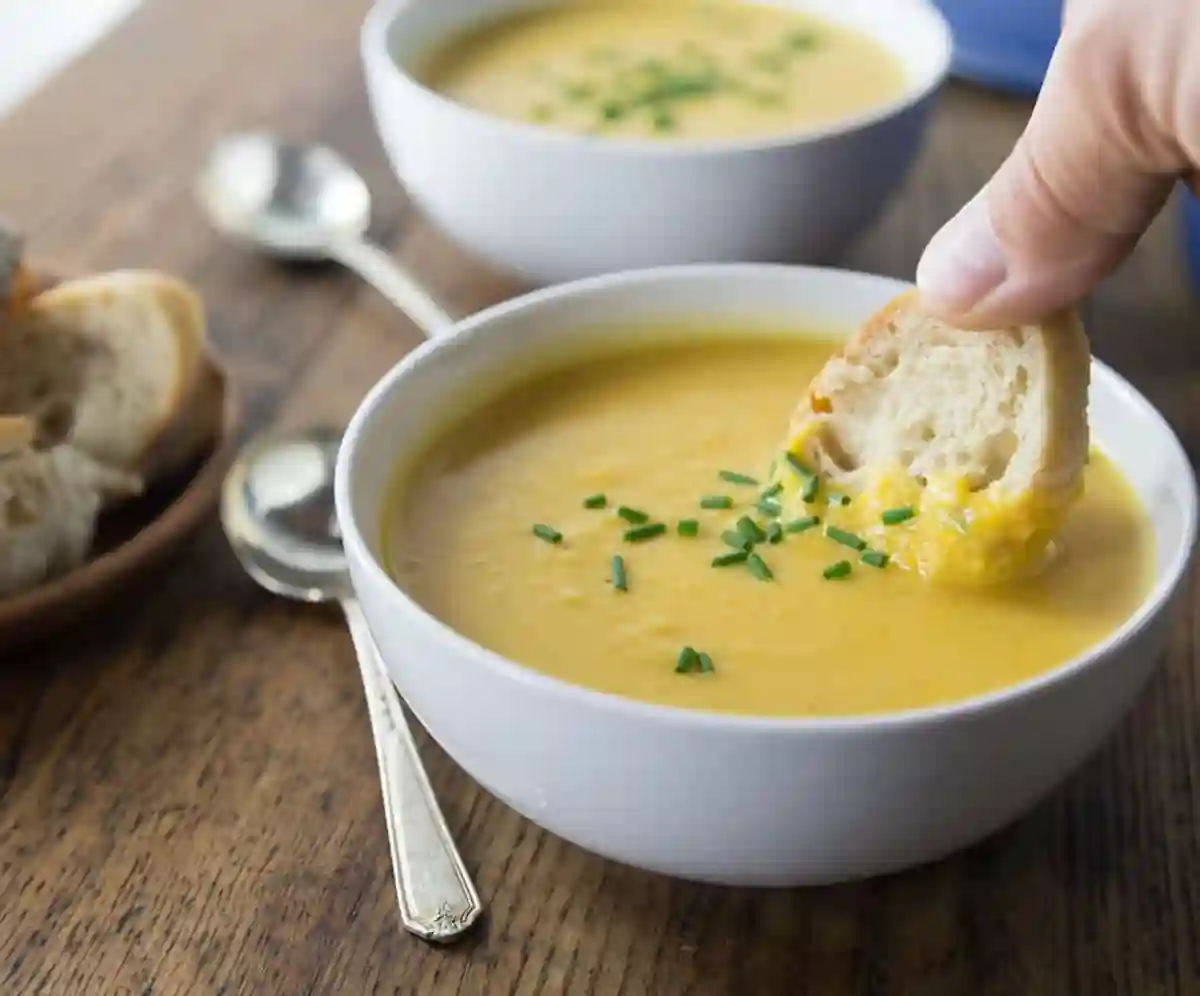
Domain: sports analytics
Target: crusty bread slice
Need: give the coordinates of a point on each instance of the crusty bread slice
(108, 363)
(1003, 409)
(49, 503)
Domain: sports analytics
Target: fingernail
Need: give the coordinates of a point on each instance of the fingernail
(963, 262)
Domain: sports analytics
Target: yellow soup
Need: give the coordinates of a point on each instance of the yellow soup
(651, 428)
(690, 69)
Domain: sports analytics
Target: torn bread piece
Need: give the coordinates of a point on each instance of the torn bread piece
(49, 504)
(109, 363)
(981, 438)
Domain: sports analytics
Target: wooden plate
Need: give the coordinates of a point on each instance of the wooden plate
(134, 538)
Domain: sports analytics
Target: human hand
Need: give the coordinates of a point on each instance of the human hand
(1116, 125)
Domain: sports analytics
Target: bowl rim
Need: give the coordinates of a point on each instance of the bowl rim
(1155, 602)
(374, 50)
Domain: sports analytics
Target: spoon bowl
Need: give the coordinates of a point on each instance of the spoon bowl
(293, 201)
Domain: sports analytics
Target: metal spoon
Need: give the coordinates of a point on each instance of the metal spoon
(278, 513)
(304, 202)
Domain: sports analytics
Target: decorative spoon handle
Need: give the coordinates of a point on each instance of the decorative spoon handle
(438, 901)
(394, 282)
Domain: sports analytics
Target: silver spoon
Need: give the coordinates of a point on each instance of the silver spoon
(278, 513)
(304, 202)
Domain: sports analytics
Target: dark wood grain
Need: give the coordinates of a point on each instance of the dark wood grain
(188, 797)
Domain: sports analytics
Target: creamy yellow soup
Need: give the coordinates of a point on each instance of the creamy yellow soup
(670, 69)
(652, 428)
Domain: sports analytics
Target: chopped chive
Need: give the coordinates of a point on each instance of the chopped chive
(664, 120)
(772, 491)
(758, 567)
(733, 477)
(874, 558)
(728, 559)
(845, 538)
(750, 529)
(705, 664)
(769, 507)
(802, 525)
(800, 40)
(835, 572)
(688, 527)
(835, 498)
(716, 501)
(774, 533)
(797, 464)
(687, 661)
(595, 501)
(737, 540)
(812, 486)
(894, 516)
(619, 580)
(547, 533)
(633, 516)
(639, 533)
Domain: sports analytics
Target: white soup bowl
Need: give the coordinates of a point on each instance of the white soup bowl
(549, 206)
(728, 798)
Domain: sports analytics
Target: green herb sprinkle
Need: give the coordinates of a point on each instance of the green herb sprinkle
(845, 538)
(758, 567)
(835, 572)
(633, 516)
(895, 516)
(688, 527)
(803, 525)
(620, 581)
(874, 558)
(547, 533)
(595, 501)
(729, 559)
(733, 477)
(640, 533)
(716, 501)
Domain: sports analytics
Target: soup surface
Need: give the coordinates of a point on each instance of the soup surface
(684, 69)
(652, 428)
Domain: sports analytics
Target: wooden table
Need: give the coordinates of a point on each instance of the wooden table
(188, 796)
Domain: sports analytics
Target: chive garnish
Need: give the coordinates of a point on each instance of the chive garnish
(705, 663)
(812, 485)
(875, 558)
(834, 498)
(769, 507)
(835, 572)
(595, 501)
(687, 661)
(619, 580)
(758, 567)
(774, 533)
(635, 517)
(802, 525)
(733, 477)
(894, 516)
(773, 490)
(547, 533)
(728, 559)
(801, 40)
(750, 529)
(688, 527)
(737, 540)
(797, 464)
(845, 538)
(716, 501)
(639, 533)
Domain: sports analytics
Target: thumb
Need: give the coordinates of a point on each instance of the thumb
(1068, 205)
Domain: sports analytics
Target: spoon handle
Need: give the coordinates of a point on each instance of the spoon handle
(394, 282)
(438, 901)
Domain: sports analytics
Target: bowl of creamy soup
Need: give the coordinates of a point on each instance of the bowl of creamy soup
(563, 140)
(542, 510)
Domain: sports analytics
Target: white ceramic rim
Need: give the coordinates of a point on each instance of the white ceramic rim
(373, 43)
(1154, 603)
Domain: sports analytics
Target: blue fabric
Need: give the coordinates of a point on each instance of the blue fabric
(1191, 235)
(1003, 43)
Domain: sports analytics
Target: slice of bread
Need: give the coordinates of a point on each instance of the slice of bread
(1003, 409)
(49, 503)
(109, 363)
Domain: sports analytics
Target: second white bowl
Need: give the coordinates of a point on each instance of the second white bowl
(549, 206)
